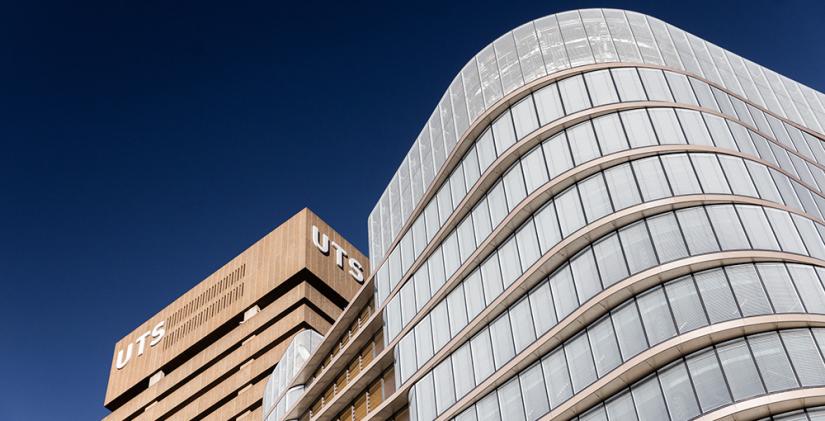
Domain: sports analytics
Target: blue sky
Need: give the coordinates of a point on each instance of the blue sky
(146, 143)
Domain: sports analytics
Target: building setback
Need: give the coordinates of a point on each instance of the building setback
(605, 218)
(208, 354)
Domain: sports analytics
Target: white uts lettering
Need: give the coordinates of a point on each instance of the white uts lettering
(156, 333)
(322, 243)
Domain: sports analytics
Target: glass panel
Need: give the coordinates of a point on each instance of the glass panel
(585, 275)
(680, 173)
(534, 392)
(571, 217)
(780, 288)
(610, 259)
(651, 177)
(628, 84)
(638, 128)
(638, 249)
(629, 330)
(804, 356)
(649, 402)
(523, 333)
(685, 304)
(678, 392)
(605, 348)
(535, 170)
(748, 290)
(582, 371)
(524, 117)
(547, 226)
(667, 126)
(655, 85)
(708, 380)
(622, 186)
(610, 133)
(656, 316)
(462, 370)
(740, 370)
(697, 230)
(482, 349)
(667, 238)
(717, 295)
(574, 94)
(541, 304)
(502, 337)
(564, 293)
(583, 143)
(600, 86)
(444, 387)
(528, 245)
(557, 153)
(557, 377)
(548, 104)
(772, 361)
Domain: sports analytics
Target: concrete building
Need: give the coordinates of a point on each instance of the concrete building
(605, 218)
(208, 354)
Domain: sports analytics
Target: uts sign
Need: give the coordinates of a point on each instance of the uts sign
(156, 333)
(322, 242)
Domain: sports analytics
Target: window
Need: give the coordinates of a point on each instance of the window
(649, 402)
(491, 278)
(456, 310)
(534, 392)
(667, 239)
(474, 293)
(547, 227)
(629, 330)
(638, 128)
(564, 293)
(656, 316)
(574, 94)
(444, 386)
(548, 104)
(710, 173)
(497, 203)
(528, 245)
(678, 392)
(748, 290)
(605, 348)
(728, 228)
(487, 408)
(622, 186)
(524, 117)
(481, 220)
(586, 275)
(667, 126)
(651, 178)
(716, 295)
(557, 377)
(680, 174)
(772, 361)
(757, 227)
(600, 86)
(557, 153)
(655, 85)
(629, 85)
(610, 133)
(637, 247)
(514, 186)
(694, 127)
(541, 305)
(740, 370)
(503, 133)
(583, 143)
(440, 324)
(502, 337)
(482, 349)
(780, 288)
(685, 304)
(802, 351)
(508, 258)
(594, 197)
(570, 213)
(509, 398)
(462, 361)
(697, 230)
(535, 171)
(610, 260)
(523, 333)
(579, 356)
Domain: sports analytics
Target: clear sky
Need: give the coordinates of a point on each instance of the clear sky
(146, 143)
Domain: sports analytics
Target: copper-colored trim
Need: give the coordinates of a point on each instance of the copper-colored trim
(662, 354)
(488, 116)
(525, 209)
(767, 405)
(554, 258)
(516, 151)
(505, 160)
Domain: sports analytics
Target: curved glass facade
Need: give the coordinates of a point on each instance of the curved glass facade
(605, 218)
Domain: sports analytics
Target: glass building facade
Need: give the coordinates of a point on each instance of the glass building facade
(605, 218)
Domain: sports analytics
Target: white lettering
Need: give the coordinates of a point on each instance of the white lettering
(322, 243)
(156, 333)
